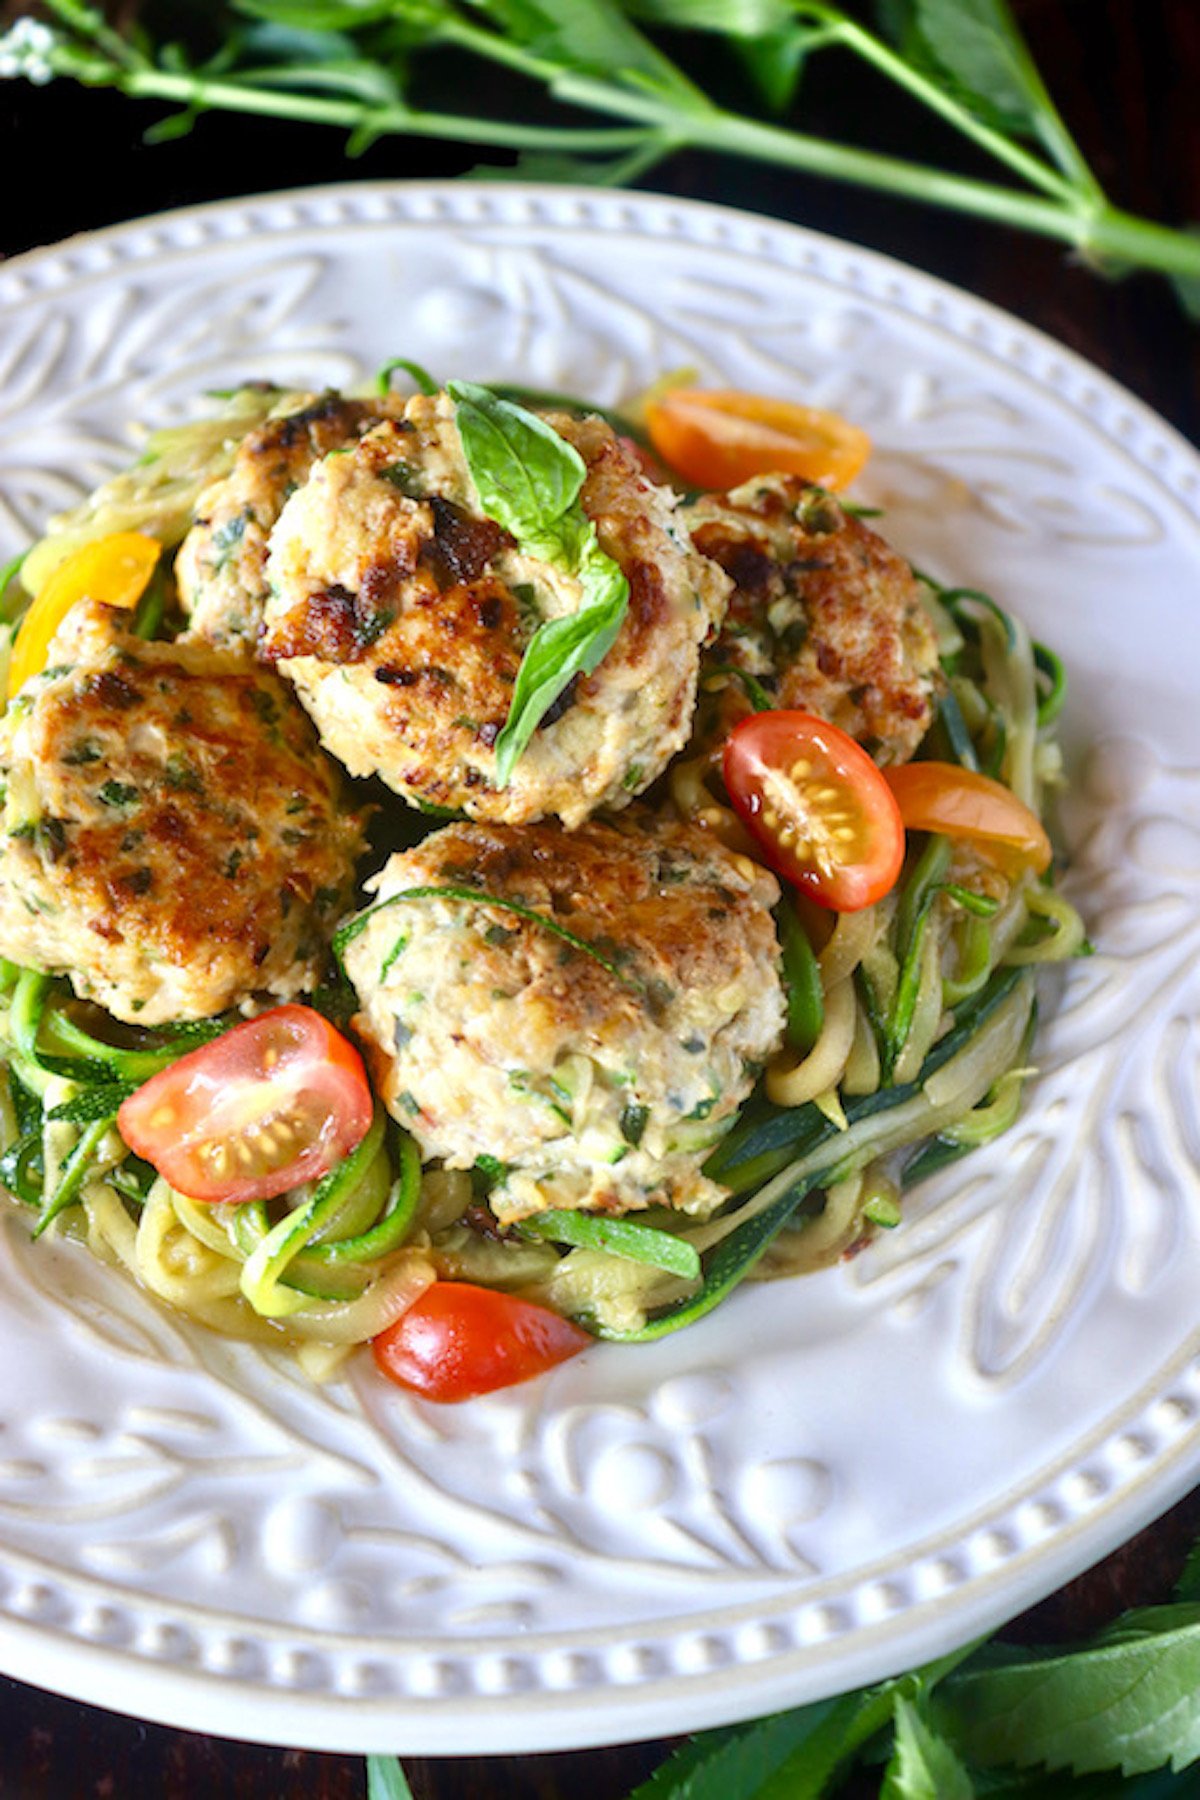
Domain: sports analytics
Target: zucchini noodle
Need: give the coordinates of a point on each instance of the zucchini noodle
(909, 1024)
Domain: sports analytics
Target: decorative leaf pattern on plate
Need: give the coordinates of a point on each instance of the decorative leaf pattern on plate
(827, 1477)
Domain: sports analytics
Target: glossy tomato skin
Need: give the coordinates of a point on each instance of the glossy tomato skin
(459, 1340)
(820, 809)
(274, 1102)
(961, 803)
(719, 438)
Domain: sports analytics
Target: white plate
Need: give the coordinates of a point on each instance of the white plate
(830, 1479)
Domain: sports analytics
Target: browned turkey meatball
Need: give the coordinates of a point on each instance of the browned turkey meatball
(401, 614)
(824, 615)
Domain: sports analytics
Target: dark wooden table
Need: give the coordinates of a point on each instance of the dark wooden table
(1125, 73)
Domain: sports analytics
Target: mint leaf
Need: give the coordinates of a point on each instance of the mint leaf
(1036, 1784)
(923, 1766)
(1126, 1700)
(852, 1722)
(386, 1779)
(737, 1761)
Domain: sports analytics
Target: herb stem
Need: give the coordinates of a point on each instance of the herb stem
(873, 50)
(239, 95)
(1108, 232)
(664, 112)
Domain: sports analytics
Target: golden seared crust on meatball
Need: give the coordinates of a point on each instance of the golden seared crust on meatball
(173, 838)
(221, 566)
(401, 615)
(824, 614)
(600, 1077)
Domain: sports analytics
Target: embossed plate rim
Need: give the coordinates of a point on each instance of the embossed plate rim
(643, 1686)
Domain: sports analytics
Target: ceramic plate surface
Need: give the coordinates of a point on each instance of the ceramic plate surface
(830, 1479)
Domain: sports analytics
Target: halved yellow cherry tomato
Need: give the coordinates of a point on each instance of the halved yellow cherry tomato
(959, 803)
(114, 569)
(720, 438)
(817, 805)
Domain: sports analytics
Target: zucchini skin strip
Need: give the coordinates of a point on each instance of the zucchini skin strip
(617, 1237)
(784, 1132)
(733, 1258)
(477, 897)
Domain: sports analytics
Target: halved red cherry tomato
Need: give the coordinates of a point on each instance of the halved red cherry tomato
(959, 803)
(114, 569)
(720, 438)
(460, 1340)
(272, 1103)
(818, 805)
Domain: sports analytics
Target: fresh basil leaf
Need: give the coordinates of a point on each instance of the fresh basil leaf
(1126, 1700)
(559, 650)
(923, 1766)
(527, 476)
(529, 480)
(386, 1779)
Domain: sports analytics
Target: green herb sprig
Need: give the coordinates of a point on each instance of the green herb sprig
(353, 64)
(1115, 1715)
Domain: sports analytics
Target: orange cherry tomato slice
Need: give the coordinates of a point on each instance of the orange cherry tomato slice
(114, 569)
(271, 1103)
(818, 806)
(459, 1340)
(960, 803)
(720, 438)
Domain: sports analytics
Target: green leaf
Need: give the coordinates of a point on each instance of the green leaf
(318, 15)
(776, 63)
(1126, 1700)
(1038, 1784)
(558, 651)
(386, 1779)
(720, 1765)
(528, 478)
(923, 1766)
(1187, 1588)
(852, 1723)
(977, 43)
(588, 36)
(1187, 287)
